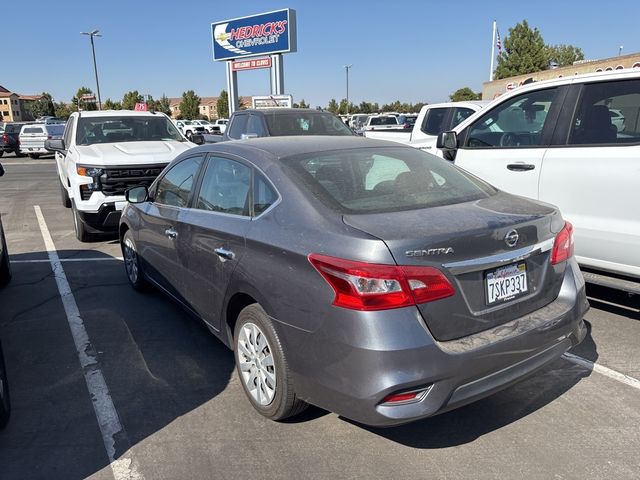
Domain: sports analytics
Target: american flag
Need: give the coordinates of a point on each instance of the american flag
(498, 42)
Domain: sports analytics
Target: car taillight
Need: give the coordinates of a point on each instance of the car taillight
(5, 138)
(369, 286)
(563, 245)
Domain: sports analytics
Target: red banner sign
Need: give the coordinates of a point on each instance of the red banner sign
(141, 107)
(252, 64)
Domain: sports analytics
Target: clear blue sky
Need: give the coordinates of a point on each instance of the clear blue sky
(407, 50)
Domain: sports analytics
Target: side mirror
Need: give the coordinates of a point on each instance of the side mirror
(447, 141)
(1, 170)
(197, 139)
(55, 145)
(136, 194)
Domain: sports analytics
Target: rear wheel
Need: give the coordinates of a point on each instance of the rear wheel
(5, 404)
(18, 153)
(5, 265)
(81, 229)
(189, 134)
(132, 262)
(262, 367)
(64, 196)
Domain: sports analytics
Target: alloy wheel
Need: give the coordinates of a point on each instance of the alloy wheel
(131, 260)
(256, 364)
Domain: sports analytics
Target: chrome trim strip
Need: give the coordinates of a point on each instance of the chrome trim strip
(483, 263)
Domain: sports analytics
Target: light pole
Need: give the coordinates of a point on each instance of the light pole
(620, 50)
(95, 33)
(347, 67)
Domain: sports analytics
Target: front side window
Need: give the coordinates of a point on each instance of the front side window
(516, 123)
(93, 130)
(175, 187)
(460, 114)
(254, 126)
(608, 112)
(67, 132)
(225, 187)
(385, 179)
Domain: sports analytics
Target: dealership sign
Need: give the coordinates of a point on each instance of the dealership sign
(263, 34)
(251, 64)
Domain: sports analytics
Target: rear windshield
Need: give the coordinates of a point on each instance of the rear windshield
(32, 130)
(383, 121)
(370, 180)
(92, 130)
(305, 123)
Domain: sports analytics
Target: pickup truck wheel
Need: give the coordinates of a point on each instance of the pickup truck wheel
(5, 404)
(18, 153)
(132, 264)
(79, 226)
(189, 134)
(5, 265)
(64, 196)
(34, 155)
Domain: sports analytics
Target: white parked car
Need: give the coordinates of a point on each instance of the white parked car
(559, 141)
(220, 125)
(33, 136)
(381, 122)
(189, 127)
(102, 154)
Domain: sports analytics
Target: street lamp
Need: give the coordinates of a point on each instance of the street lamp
(95, 33)
(620, 50)
(347, 67)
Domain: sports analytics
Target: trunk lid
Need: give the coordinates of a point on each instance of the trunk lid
(466, 241)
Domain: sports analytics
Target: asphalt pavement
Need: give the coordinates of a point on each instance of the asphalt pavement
(183, 412)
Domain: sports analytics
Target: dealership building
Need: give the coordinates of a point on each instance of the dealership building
(491, 90)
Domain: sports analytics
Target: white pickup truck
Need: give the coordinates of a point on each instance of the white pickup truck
(103, 153)
(432, 120)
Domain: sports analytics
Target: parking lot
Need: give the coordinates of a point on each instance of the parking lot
(180, 411)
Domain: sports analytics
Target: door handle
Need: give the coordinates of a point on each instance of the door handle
(171, 233)
(225, 254)
(520, 167)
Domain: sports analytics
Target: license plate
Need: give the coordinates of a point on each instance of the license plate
(506, 283)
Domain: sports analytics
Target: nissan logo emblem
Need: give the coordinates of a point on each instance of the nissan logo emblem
(511, 238)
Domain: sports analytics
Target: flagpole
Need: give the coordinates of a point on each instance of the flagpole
(493, 51)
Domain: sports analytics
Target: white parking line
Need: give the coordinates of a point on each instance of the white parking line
(87, 259)
(607, 372)
(125, 467)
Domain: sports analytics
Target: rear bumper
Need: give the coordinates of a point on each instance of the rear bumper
(351, 374)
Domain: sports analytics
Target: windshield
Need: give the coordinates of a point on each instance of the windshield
(369, 180)
(305, 123)
(92, 130)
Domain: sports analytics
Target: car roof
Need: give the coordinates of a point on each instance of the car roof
(280, 147)
(281, 110)
(117, 113)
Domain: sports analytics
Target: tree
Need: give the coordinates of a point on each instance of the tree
(464, 94)
(524, 52)
(130, 99)
(84, 104)
(222, 105)
(111, 105)
(302, 104)
(333, 106)
(43, 106)
(164, 105)
(190, 105)
(563, 55)
(63, 110)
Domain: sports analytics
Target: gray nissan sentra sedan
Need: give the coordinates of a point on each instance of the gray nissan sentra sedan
(368, 278)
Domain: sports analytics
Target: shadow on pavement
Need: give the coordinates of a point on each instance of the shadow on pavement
(159, 364)
(614, 301)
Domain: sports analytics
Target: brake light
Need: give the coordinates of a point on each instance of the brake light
(563, 245)
(5, 138)
(369, 286)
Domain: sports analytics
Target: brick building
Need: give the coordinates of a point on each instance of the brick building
(491, 90)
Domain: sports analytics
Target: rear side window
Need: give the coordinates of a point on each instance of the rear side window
(175, 187)
(67, 132)
(238, 126)
(607, 113)
(433, 122)
(385, 180)
(263, 195)
(516, 123)
(225, 187)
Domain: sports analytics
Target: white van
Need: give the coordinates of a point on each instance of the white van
(573, 142)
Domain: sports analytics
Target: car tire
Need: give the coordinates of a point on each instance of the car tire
(5, 265)
(80, 228)
(189, 134)
(18, 153)
(64, 196)
(35, 156)
(132, 265)
(262, 366)
(5, 402)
